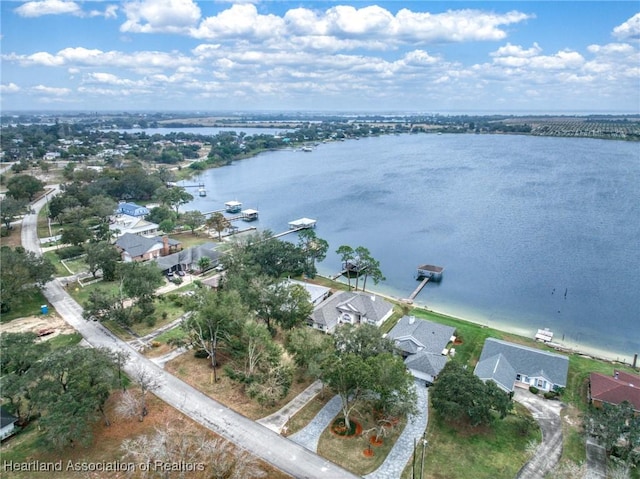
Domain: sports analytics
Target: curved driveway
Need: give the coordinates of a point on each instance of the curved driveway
(547, 414)
(264, 443)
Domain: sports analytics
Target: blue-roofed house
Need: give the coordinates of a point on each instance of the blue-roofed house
(132, 209)
(423, 345)
(510, 365)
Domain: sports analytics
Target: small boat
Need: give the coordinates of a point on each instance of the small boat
(306, 148)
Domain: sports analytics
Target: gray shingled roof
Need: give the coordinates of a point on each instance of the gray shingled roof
(327, 312)
(414, 335)
(137, 245)
(524, 360)
(498, 369)
(426, 362)
(189, 256)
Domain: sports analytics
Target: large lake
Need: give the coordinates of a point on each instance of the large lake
(533, 232)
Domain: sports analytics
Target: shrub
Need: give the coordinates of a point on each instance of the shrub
(534, 389)
(69, 252)
(200, 354)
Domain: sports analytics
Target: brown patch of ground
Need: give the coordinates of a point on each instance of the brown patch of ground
(107, 441)
(38, 324)
(15, 237)
(199, 374)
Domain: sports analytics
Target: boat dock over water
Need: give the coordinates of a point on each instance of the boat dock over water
(426, 273)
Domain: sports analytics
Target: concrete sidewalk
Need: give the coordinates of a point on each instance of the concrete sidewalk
(278, 419)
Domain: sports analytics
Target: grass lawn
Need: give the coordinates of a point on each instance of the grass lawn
(61, 271)
(348, 452)
(492, 452)
(199, 374)
(188, 239)
(308, 412)
(77, 265)
(28, 307)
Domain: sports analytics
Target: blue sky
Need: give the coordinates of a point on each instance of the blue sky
(363, 56)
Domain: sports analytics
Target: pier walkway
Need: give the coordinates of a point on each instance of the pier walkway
(422, 284)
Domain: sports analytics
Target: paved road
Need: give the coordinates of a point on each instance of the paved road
(259, 440)
(547, 414)
(596, 460)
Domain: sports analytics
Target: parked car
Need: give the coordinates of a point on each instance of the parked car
(181, 273)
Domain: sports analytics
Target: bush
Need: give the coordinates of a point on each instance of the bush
(200, 354)
(69, 252)
(550, 395)
(534, 389)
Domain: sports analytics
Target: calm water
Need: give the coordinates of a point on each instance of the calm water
(516, 221)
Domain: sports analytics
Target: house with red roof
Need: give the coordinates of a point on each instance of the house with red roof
(615, 389)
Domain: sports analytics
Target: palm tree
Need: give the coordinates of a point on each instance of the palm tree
(204, 263)
(346, 255)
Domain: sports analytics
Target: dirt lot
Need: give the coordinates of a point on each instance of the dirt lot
(38, 324)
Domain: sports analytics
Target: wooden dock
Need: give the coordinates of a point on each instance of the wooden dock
(422, 284)
(288, 231)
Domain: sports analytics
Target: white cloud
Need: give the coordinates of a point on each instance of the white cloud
(9, 88)
(154, 16)
(629, 30)
(51, 91)
(239, 21)
(77, 57)
(48, 7)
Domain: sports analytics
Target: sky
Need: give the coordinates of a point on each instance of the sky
(332, 56)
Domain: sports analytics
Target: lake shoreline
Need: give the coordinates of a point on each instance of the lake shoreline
(561, 347)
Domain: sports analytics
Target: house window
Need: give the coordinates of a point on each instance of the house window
(541, 383)
(518, 377)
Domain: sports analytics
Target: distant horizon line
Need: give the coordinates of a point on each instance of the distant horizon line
(334, 112)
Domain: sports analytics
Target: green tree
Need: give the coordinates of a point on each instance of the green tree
(351, 377)
(167, 226)
(73, 386)
(314, 248)
(458, 393)
(24, 187)
(369, 266)
(192, 219)
(75, 234)
(364, 340)
(218, 222)
(10, 208)
(22, 273)
(102, 256)
(288, 305)
(618, 428)
(204, 263)
(347, 254)
(173, 197)
(216, 322)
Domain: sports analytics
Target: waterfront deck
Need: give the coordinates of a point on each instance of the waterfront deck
(429, 271)
(302, 223)
(248, 215)
(233, 206)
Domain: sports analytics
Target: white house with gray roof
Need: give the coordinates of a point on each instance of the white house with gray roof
(423, 345)
(349, 307)
(509, 365)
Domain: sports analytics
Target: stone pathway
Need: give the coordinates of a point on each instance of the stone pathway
(278, 419)
(402, 450)
(309, 435)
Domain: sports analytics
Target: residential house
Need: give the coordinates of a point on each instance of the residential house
(122, 224)
(509, 365)
(188, 259)
(140, 248)
(423, 345)
(350, 307)
(316, 292)
(615, 389)
(7, 423)
(132, 209)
